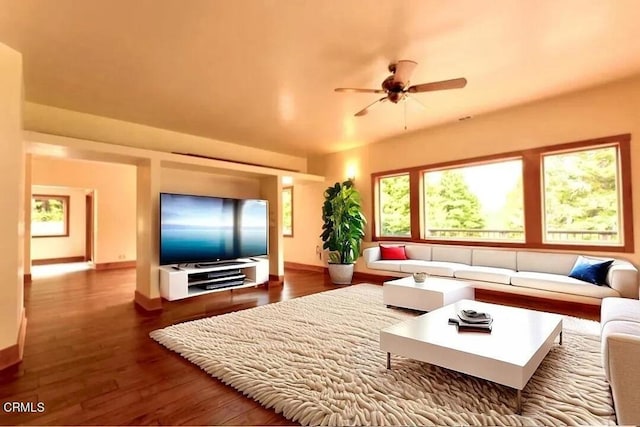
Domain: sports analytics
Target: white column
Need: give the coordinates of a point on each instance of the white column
(27, 215)
(271, 190)
(147, 212)
(12, 212)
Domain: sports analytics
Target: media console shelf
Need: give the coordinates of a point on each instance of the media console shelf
(189, 280)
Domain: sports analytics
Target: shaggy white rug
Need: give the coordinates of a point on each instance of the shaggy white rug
(317, 361)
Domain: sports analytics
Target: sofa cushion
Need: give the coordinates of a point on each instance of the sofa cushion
(545, 262)
(623, 277)
(434, 268)
(590, 270)
(485, 274)
(421, 252)
(621, 330)
(619, 309)
(458, 255)
(393, 252)
(493, 258)
(560, 283)
(385, 265)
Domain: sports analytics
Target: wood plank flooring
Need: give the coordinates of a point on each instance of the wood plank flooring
(89, 359)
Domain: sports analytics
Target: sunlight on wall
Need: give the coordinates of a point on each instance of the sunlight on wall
(352, 169)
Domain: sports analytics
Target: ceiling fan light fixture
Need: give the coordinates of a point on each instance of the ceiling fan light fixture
(395, 96)
(396, 86)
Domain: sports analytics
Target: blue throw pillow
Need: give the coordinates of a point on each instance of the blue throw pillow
(591, 270)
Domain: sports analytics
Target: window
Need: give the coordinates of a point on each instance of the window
(479, 202)
(287, 211)
(571, 196)
(49, 216)
(582, 197)
(394, 206)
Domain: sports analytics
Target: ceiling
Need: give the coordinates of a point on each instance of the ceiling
(262, 72)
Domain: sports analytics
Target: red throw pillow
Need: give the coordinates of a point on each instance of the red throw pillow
(392, 253)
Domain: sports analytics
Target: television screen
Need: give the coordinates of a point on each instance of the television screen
(201, 229)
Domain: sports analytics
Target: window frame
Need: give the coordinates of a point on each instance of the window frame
(620, 207)
(532, 180)
(66, 206)
(377, 223)
(423, 221)
(288, 189)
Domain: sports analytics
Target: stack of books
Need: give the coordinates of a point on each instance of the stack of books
(472, 321)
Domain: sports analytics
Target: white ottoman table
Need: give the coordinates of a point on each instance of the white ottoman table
(434, 293)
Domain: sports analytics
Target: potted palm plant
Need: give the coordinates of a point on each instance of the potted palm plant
(343, 230)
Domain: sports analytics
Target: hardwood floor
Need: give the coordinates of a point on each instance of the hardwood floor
(89, 359)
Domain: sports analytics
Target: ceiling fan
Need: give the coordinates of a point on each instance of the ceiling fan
(396, 86)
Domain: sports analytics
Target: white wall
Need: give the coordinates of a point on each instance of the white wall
(307, 212)
(115, 200)
(606, 110)
(72, 245)
(58, 121)
(206, 184)
(12, 165)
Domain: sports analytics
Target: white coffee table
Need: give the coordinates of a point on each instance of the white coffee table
(509, 355)
(434, 293)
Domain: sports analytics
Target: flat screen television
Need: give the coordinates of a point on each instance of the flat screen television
(197, 229)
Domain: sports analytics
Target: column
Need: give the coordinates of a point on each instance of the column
(147, 295)
(12, 215)
(271, 190)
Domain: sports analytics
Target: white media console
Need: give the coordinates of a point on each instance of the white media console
(189, 280)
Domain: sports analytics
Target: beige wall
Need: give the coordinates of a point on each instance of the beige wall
(303, 247)
(12, 165)
(72, 245)
(57, 121)
(207, 184)
(115, 200)
(606, 110)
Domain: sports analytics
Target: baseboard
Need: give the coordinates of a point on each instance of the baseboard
(115, 265)
(306, 267)
(57, 260)
(274, 279)
(146, 303)
(26, 278)
(13, 354)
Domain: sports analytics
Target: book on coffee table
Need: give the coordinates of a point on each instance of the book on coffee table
(472, 316)
(463, 326)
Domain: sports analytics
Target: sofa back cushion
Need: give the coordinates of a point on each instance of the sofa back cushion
(452, 254)
(546, 262)
(421, 252)
(494, 258)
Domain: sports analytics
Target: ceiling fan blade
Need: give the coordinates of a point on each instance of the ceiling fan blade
(365, 110)
(353, 89)
(443, 85)
(404, 69)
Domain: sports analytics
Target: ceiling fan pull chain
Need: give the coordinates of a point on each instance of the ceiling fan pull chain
(405, 113)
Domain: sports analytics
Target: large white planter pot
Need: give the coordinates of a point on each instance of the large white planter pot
(341, 274)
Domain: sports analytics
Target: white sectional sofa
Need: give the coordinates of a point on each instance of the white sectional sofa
(542, 274)
(620, 323)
